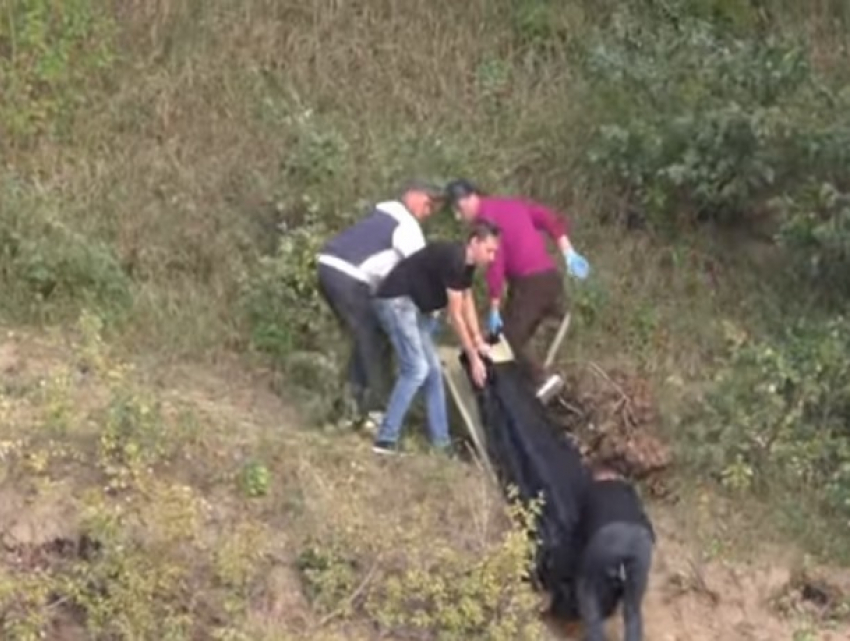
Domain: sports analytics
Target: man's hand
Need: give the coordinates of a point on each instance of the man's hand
(576, 264)
(477, 370)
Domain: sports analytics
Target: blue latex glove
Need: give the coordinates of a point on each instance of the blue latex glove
(576, 264)
(494, 322)
(435, 325)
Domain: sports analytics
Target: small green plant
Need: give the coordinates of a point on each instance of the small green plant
(816, 229)
(48, 270)
(255, 479)
(328, 575)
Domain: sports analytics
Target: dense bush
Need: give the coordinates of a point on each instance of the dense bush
(695, 122)
(47, 269)
(778, 416)
(280, 297)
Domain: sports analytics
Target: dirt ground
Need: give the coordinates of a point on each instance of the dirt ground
(692, 600)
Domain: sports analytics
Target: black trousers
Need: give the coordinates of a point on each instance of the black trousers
(351, 302)
(617, 556)
(531, 300)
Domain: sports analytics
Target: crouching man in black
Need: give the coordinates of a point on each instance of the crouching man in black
(617, 545)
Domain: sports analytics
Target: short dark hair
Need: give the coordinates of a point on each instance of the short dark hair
(482, 230)
(459, 189)
(432, 190)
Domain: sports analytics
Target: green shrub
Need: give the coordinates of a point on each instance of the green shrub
(816, 229)
(444, 591)
(453, 596)
(280, 298)
(696, 123)
(49, 270)
(777, 418)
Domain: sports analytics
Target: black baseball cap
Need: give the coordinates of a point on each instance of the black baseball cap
(459, 189)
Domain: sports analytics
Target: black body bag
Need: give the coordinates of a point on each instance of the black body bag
(526, 451)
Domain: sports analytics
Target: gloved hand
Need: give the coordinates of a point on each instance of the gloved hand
(435, 325)
(576, 264)
(494, 322)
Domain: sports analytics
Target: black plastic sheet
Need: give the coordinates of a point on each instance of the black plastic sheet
(528, 452)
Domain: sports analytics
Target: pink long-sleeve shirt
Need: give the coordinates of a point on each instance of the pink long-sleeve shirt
(523, 249)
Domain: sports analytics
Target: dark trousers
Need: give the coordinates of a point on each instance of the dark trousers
(531, 299)
(616, 548)
(351, 302)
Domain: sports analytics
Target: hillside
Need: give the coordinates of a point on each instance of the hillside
(171, 465)
(185, 503)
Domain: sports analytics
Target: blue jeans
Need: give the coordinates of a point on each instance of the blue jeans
(411, 334)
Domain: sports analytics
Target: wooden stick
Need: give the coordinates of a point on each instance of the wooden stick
(556, 343)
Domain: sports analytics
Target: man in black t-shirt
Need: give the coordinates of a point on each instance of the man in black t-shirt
(436, 277)
(617, 540)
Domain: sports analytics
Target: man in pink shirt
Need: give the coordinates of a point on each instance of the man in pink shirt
(536, 289)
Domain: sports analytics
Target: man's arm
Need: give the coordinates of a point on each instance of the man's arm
(495, 278)
(458, 316)
(470, 315)
(546, 220)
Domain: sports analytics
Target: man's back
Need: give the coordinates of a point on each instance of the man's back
(425, 275)
(611, 501)
(373, 245)
(523, 243)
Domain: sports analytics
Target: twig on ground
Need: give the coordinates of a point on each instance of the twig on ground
(699, 584)
(625, 401)
(570, 407)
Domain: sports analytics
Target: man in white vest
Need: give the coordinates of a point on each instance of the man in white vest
(352, 265)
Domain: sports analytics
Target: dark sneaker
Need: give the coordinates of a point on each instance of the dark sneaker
(550, 388)
(385, 447)
(447, 451)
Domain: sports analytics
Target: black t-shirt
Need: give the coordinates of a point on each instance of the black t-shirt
(611, 501)
(426, 275)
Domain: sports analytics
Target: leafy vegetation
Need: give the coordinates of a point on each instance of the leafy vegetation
(146, 517)
(54, 56)
(777, 420)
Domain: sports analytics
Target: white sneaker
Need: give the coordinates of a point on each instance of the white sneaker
(550, 388)
(373, 421)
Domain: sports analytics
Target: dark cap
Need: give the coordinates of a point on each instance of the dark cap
(459, 189)
(432, 190)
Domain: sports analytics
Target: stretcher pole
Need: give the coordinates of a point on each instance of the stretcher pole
(556, 342)
(460, 388)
